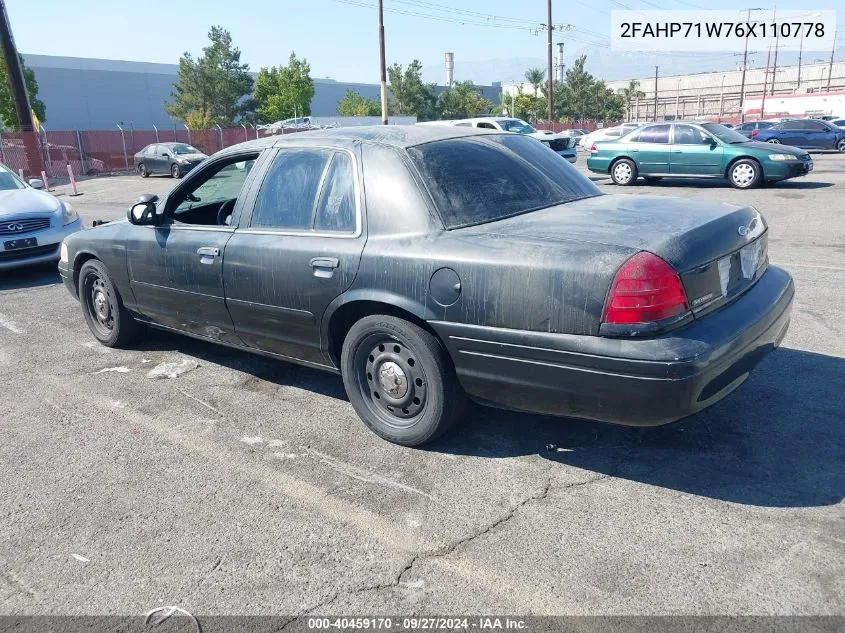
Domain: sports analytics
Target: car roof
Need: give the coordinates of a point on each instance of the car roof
(400, 136)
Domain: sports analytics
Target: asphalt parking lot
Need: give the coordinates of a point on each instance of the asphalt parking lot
(249, 486)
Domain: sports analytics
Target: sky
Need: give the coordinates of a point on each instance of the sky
(340, 37)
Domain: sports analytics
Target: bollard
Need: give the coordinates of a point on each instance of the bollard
(72, 181)
(45, 181)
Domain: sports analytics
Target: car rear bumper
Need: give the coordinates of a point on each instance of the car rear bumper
(46, 251)
(637, 382)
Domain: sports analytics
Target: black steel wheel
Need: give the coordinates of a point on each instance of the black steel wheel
(400, 380)
(108, 320)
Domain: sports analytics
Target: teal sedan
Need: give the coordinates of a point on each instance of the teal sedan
(693, 150)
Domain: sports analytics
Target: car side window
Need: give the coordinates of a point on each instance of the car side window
(336, 206)
(814, 126)
(222, 184)
(486, 125)
(289, 192)
(790, 126)
(688, 135)
(652, 134)
(464, 124)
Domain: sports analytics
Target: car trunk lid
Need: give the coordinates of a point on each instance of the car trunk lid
(718, 249)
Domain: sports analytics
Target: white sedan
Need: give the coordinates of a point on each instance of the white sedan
(33, 223)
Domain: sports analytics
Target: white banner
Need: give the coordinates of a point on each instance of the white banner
(708, 31)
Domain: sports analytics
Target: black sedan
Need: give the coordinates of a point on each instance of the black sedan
(176, 159)
(427, 264)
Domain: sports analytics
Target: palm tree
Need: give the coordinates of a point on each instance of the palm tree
(536, 77)
(631, 93)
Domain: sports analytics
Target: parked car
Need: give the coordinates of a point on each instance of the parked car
(560, 143)
(606, 134)
(430, 263)
(749, 127)
(692, 150)
(176, 159)
(804, 133)
(33, 223)
(838, 123)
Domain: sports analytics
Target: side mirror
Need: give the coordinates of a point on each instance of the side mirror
(143, 212)
(36, 183)
(166, 155)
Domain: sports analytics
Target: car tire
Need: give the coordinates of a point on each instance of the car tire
(109, 322)
(774, 141)
(175, 172)
(745, 174)
(624, 172)
(652, 179)
(400, 380)
(142, 169)
(840, 146)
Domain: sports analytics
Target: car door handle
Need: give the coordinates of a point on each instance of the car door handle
(207, 254)
(324, 266)
(325, 262)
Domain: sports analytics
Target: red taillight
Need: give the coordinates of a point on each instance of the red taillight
(754, 133)
(594, 149)
(645, 289)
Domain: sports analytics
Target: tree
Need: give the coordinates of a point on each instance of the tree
(536, 77)
(353, 104)
(462, 101)
(284, 92)
(214, 87)
(411, 96)
(529, 107)
(630, 94)
(7, 105)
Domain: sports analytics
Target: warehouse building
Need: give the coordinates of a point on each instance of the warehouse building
(98, 94)
(717, 94)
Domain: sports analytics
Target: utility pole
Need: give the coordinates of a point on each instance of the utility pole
(551, 97)
(382, 62)
(830, 68)
(656, 68)
(17, 86)
(765, 83)
(777, 40)
(800, 53)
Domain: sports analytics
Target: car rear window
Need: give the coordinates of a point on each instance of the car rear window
(484, 178)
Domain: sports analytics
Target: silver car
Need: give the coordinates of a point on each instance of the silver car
(32, 223)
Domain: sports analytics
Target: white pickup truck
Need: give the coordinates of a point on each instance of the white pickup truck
(560, 143)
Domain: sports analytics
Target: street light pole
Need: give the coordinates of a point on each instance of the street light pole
(382, 62)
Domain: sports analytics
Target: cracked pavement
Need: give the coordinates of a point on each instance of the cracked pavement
(249, 486)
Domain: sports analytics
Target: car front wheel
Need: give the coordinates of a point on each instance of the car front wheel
(841, 145)
(400, 380)
(624, 172)
(175, 172)
(745, 174)
(774, 141)
(142, 169)
(108, 320)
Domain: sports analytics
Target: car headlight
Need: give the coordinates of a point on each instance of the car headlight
(63, 253)
(782, 157)
(69, 214)
(181, 160)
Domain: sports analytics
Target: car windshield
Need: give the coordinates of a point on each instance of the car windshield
(724, 134)
(516, 125)
(9, 181)
(184, 148)
(480, 179)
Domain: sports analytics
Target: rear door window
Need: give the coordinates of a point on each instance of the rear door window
(288, 195)
(336, 206)
(652, 134)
